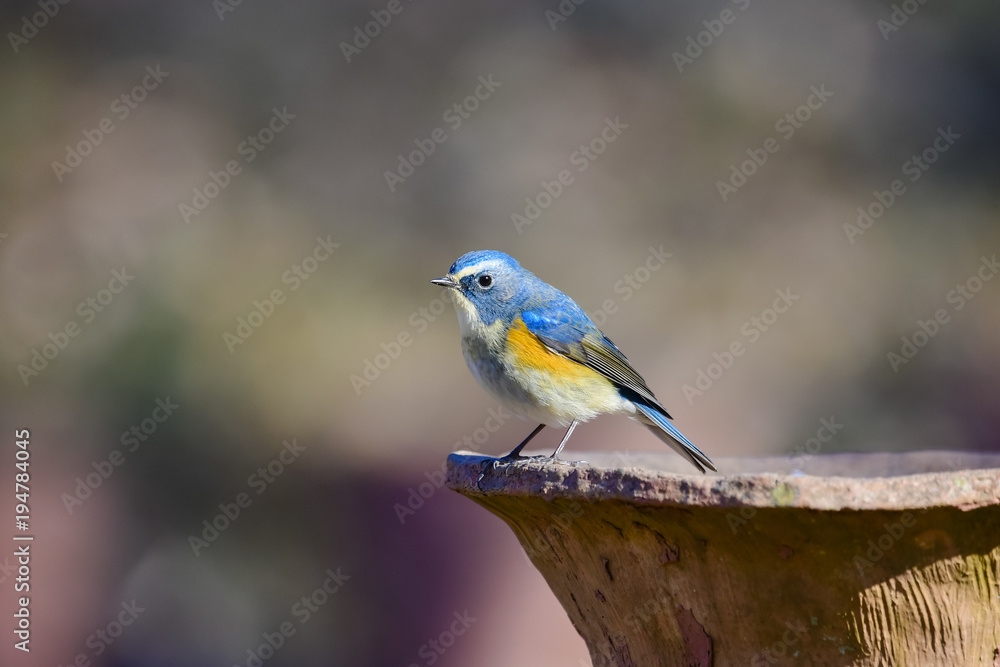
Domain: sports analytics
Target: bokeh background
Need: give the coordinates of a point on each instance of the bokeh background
(368, 446)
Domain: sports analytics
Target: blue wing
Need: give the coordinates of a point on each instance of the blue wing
(569, 332)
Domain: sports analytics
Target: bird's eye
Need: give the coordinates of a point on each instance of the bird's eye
(485, 280)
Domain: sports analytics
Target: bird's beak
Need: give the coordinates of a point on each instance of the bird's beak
(447, 281)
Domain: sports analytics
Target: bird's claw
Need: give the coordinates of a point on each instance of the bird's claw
(496, 463)
(517, 457)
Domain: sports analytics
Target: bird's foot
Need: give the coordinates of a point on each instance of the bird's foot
(510, 458)
(504, 461)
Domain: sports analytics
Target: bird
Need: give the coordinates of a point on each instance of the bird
(540, 355)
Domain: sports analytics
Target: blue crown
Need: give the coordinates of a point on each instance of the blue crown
(477, 256)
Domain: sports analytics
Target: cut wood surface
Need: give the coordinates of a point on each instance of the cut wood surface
(845, 559)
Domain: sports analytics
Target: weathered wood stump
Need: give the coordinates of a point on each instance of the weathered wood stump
(866, 559)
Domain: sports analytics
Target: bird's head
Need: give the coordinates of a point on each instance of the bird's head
(488, 286)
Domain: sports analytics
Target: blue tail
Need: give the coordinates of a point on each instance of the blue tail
(660, 425)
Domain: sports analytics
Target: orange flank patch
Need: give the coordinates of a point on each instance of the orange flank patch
(531, 354)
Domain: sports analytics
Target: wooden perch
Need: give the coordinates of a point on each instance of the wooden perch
(868, 559)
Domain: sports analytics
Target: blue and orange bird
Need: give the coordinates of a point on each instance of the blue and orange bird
(540, 355)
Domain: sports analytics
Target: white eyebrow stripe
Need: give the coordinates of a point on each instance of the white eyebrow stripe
(475, 268)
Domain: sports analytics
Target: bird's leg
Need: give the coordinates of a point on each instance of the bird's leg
(562, 444)
(516, 452)
(515, 455)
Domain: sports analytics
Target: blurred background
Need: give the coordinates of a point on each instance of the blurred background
(220, 219)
